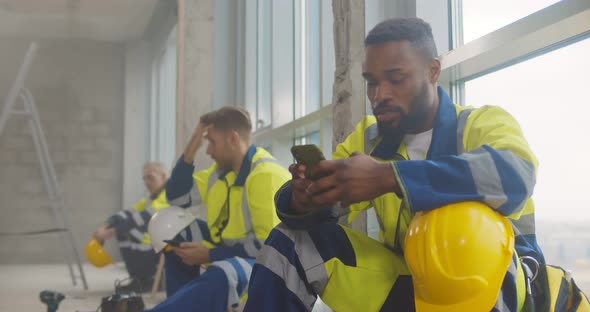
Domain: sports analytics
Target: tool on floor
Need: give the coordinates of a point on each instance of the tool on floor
(130, 302)
(17, 92)
(52, 299)
(122, 300)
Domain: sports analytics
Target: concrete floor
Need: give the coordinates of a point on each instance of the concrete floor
(21, 284)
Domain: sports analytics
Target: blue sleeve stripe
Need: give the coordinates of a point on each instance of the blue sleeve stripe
(486, 177)
(307, 221)
(180, 183)
(511, 180)
(484, 174)
(429, 184)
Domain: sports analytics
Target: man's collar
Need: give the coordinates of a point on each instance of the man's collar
(245, 167)
(444, 138)
(443, 135)
(156, 194)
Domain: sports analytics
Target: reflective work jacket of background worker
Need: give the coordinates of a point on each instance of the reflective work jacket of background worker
(238, 192)
(130, 228)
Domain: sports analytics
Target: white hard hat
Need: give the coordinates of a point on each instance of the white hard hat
(167, 223)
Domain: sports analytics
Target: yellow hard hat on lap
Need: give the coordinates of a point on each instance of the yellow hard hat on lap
(96, 254)
(458, 255)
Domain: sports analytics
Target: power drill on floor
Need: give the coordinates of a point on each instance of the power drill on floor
(52, 299)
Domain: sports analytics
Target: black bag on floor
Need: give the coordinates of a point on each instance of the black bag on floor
(122, 303)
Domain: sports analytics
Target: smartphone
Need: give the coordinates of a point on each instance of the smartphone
(309, 155)
(172, 242)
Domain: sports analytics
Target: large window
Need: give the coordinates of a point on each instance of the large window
(548, 96)
(289, 73)
(533, 64)
(480, 18)
(163, 102)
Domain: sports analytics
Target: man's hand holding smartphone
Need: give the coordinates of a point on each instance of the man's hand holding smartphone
(319, 183)
(304, 174)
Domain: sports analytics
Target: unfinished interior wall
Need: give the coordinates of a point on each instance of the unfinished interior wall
(349, 85)
(78, 86)
(140, 58)
(195, 68)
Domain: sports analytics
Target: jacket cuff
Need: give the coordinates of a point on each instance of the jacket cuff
(302, 221)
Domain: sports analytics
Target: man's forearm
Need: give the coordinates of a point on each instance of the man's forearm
(498, 178)
(194, 143)
(300, 221)
(180, 183)
(190, 151)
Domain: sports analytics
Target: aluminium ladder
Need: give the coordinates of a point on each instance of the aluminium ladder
(29, 111)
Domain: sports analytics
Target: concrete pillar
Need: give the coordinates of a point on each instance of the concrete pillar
(349, 99)
(195, 70)
(135, 147)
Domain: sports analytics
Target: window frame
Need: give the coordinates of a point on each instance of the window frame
(281, 135)
(548, 29)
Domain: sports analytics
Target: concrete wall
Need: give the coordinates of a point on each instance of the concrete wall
(79, 89)
(196, 65)
(225, 53)
(136, 124)
(139, 57)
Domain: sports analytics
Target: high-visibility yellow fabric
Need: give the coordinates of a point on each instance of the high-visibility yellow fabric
(223, 199)
(481, 128)
(367, 284)
(156, 204)
(564, 293)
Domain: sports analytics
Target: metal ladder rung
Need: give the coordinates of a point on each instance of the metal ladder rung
(22, 113)
(18, 91)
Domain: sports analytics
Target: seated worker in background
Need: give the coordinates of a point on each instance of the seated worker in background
(451, 169)
(130, 228)
(238, 193)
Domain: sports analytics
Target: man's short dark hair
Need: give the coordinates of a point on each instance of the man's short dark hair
(414, 30)
(230, 118)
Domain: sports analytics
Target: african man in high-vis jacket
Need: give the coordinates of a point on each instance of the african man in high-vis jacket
(417, 153)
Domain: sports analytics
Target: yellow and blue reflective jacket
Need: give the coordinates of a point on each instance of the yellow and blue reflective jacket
(135, 221)
(240, 206)
(475, 154)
